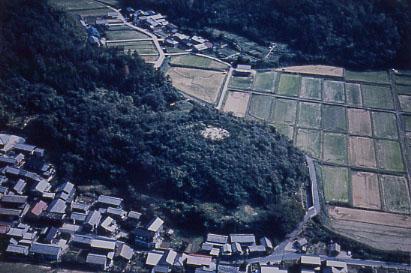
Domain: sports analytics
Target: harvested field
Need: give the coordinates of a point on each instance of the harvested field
(264, 81)
(377, 97)
(284, 111)
(309, 115)
(309, 141)
(361, 152)
(335, 181)
(322, 70)
(123, 32)
(403, 89)
(334, 92)
(311, 88)
(286, 130)
(334, 118)
(201, 84)
(405, 103)
(365, 190)
(403, 79)
(371, 77)
(385, 125)
(243, 83)
(237, 103)
(260, 106)
(196, 61)
(395, 194)
(289, 85)
(389, 155)
(335, 148)
(407, 122)
(353, 93)
(359, 122)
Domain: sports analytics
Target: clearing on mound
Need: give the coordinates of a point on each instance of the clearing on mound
(214, 133)
(389, 155)
(395, 193)
(311, 88)
(309, 141)
(334, 92)
(365, 190)
(322, 70)
(309, 115)
(353, 94)
(201, 84)
(264, 81)
(405, 103)
(377, 96)
(359, 122)
(335, 148)
(124, 32)
(236, 103)
(371, 76)
(284, 111)
(335, 180)
(289, 85)
(361, 152)
(334, 118)
(196, 61)
(385, 125)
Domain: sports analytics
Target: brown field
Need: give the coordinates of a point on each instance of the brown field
(365, 190)
(359, 122)
(315, 70)
(361, 152)
(201, 84)
(236, 103)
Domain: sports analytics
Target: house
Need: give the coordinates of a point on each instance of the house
(107, 201)
(98, 260)
(309, 264)
(160, 269)
(195, 260)
(236, 249)
(242, 70)
(17, 249)
(66, 191)
(109, 225)
(19, 186)
(153, 257)
(170, 42)
(266, 243)
(103, 244)
(41, 187)
(181, 37)
(78, 217)
(335, 267)
(9, 215)
(92, 220)
(216, 239)
(50, 252)
(51, 234)
(243, 239)
(69, 229)
(133, 216)
(156, 225)
(57, 206)
(334, 249)
(81, 207)
(38, 208)
(168, 258)
(197, 40)
(256, 250)
(125, 252)
(149, 237)
(271, 269)
(25, 148)
(14, 201)
(81, 241)
(7, 142)
(117, 213)
(112, 15)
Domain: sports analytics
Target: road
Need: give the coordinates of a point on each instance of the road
(224, 91)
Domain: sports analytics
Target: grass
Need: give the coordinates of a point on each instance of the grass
(309, 115)
(309, 141)
(334, 118)
(353, 93)
(311, 88)
(264, 81)
(284, 111)
(384, 125)
(403, 79)
(124, 33)
(371, 76)
(403, 89)
(395, 193)
(243, 83)
(407, 122)
(92, 12)
(198, 62)
(334, 92)
(335, 148)
(285, 130)
(335, 181)
(377, 97)
(141, 47)
(359, 122)
(389, 155)
(260, 106)
(289, 85)
(76, 5)
(405, 103)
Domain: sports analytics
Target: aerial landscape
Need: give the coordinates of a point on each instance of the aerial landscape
(214, 136)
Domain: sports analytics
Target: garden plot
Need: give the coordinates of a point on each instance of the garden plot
(395, 193)
(289, 85)
(123, 32)
(403, 89)
(243, 83)
(407, 122)
(201, 84)
(403, 79)
(389, 155)
(365, 190)
(311, 88)
(309, 115)
(321, 70)
(141, 47)
(91, 12)
(353, 94)
(335, 182)
(284, 111)
(361, 152)
(76, 5)
(377, 97)
(335, 148)
(309, 141)
(196, 61)
(334, 118)
(359, 122)
(286, 130)
(334, 92)
(405, 103)
(237, 103)
(371, 77)
(260, 106)
(385, 125)
(264, 81)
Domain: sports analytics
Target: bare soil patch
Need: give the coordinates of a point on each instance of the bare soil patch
(237, 103)
(323, 70)
(365, 190)
(359, 122)
(361, 152)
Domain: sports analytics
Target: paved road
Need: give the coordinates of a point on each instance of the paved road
(225, 88)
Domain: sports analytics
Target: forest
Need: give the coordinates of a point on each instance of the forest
(365, 34)
(108, 118)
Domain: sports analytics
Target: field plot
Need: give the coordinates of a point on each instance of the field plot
(361, 152)
(243, 83)
(309, 115)
(353, 93)
(334, 92)
(377, 97)
(198, 62)
(334, 118)
(359, 122)
(365, 190)
(289, 85)
(260, 106)
(284, 111)
(385, 125)
(403, 79)
(311, 88)
(285, 130)
(76, 5)
(309, 141)
(114, 3)
(371, 77)
(395, 193)
(141, 47)
(264, 81)
(405, 103)
(404, 89)
(123, 32)
(201, 84)
(335, 181)
(91, 12)
(407, 122)
(322, 70)
(149, 58)
(389, 155)
(237, 103)
(335, 148)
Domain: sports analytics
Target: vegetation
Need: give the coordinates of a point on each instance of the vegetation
(107, 117)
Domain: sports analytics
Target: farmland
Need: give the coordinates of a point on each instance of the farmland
(359, 122)
(365, 190)
(335, 148)
(377, 97)
(311, 88)
(309, 115)
(334, 91)
(264, 81)
(284, 111)
(196, 61)
(243, 83)
(395, 195)
(335, 184)
(141, 47)
(123, 32)
(289, 85)
(236, 103)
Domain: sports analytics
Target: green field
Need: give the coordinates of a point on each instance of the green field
(405, 103)
(309, 141)
(333, 91)
(403, 89)
(334, 118)
(371, 77)
(403, 79)
(377, 97)
(198, 62)
(264, 81)
(311, 88)
(76, 5)
(395, 193)
(407, 122)
(244, 83)
(91, 12)
(335, 181)
(309, 115)
(384, 125)
(260, 106)
(141, 47)
(284, 111)
(285, 130)
(353, 93)
(289, 85)
(335, 148)
(123, 32)
(389, 155)
(359, 122)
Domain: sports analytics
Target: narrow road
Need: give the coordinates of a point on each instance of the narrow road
(225, 88)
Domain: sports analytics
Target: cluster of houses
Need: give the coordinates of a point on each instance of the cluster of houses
(92, 23)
